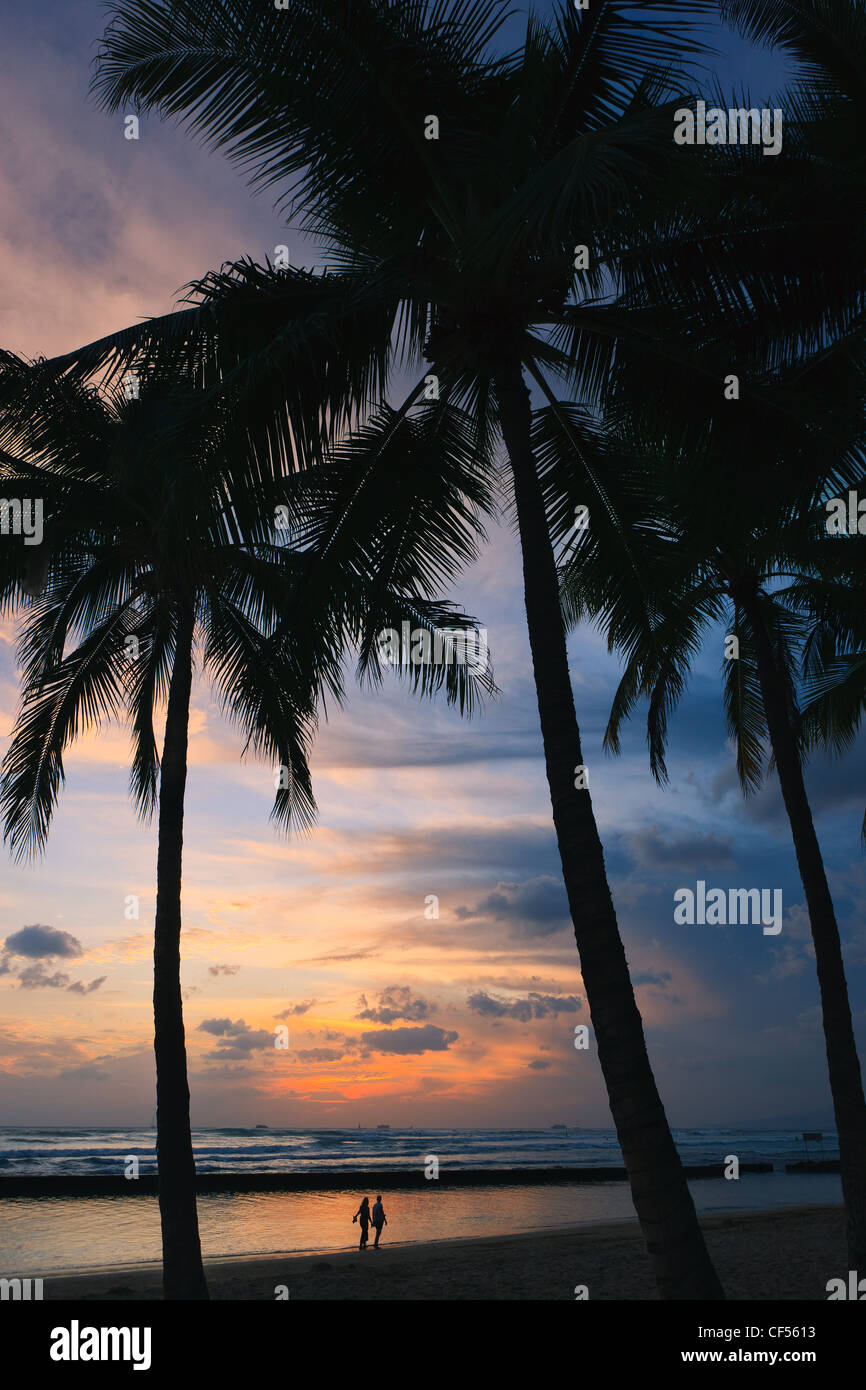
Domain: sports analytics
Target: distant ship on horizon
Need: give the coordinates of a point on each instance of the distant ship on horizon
(383, 1126)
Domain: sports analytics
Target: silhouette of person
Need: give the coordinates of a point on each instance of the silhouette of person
(363, 1216)
(379, 1220)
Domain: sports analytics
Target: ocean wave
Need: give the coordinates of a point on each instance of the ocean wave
(43, 1150)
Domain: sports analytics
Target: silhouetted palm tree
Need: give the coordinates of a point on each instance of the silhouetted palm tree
(736, 532)
(158, 555)
(474, 210)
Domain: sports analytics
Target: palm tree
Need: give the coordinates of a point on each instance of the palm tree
(158, 556)
(473, 210)
(825, 42)
(833, 699)
(676, 566)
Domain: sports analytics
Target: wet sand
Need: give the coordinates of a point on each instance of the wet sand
(782, 1254)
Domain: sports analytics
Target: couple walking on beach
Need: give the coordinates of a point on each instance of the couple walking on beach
(379, 1220)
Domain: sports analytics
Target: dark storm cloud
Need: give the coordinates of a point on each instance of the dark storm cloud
(536, 907)
(534, 1006)
(409, 1041)
(395, 1002)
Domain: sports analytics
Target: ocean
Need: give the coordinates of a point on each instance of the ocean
(41, 1236)
(60, 1151)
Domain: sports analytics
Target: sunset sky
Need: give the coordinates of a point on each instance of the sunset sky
(467, 1019)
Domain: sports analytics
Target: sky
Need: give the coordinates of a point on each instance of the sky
(394, 1015)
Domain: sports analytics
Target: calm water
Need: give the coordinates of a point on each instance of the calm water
(38, 1236)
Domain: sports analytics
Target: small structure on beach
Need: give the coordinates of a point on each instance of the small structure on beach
(813, 1137)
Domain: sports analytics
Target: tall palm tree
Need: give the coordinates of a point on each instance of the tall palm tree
(763, 562)
(159, 556)
(473, 210)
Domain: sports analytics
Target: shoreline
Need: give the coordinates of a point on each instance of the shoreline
(783, 1253)
(349, 1179)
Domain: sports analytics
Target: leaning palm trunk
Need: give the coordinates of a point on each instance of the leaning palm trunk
(661, 1195)
(846, 1084)
(183, 1275)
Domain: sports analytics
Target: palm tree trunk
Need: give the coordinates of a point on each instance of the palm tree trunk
(183, 1274)
(661, 1195)
(846, 1084)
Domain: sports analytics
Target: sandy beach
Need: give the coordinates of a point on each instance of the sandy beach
(784, 1254)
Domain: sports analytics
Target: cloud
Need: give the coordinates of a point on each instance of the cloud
(395, 1002)
(41, 944)
(38, 942)
(536, 907)
(652, 850)
(538, 1065)
(85, 1073)
(834, 786)
(341, 955)
(647, 977)
(533, 1006)
(794, 953)
(223, 969)
(296, 1009)
(409, 1041)
(235, 1040)
(36, 977)
(78, 988)
(218, 1026)
(319, 1054)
